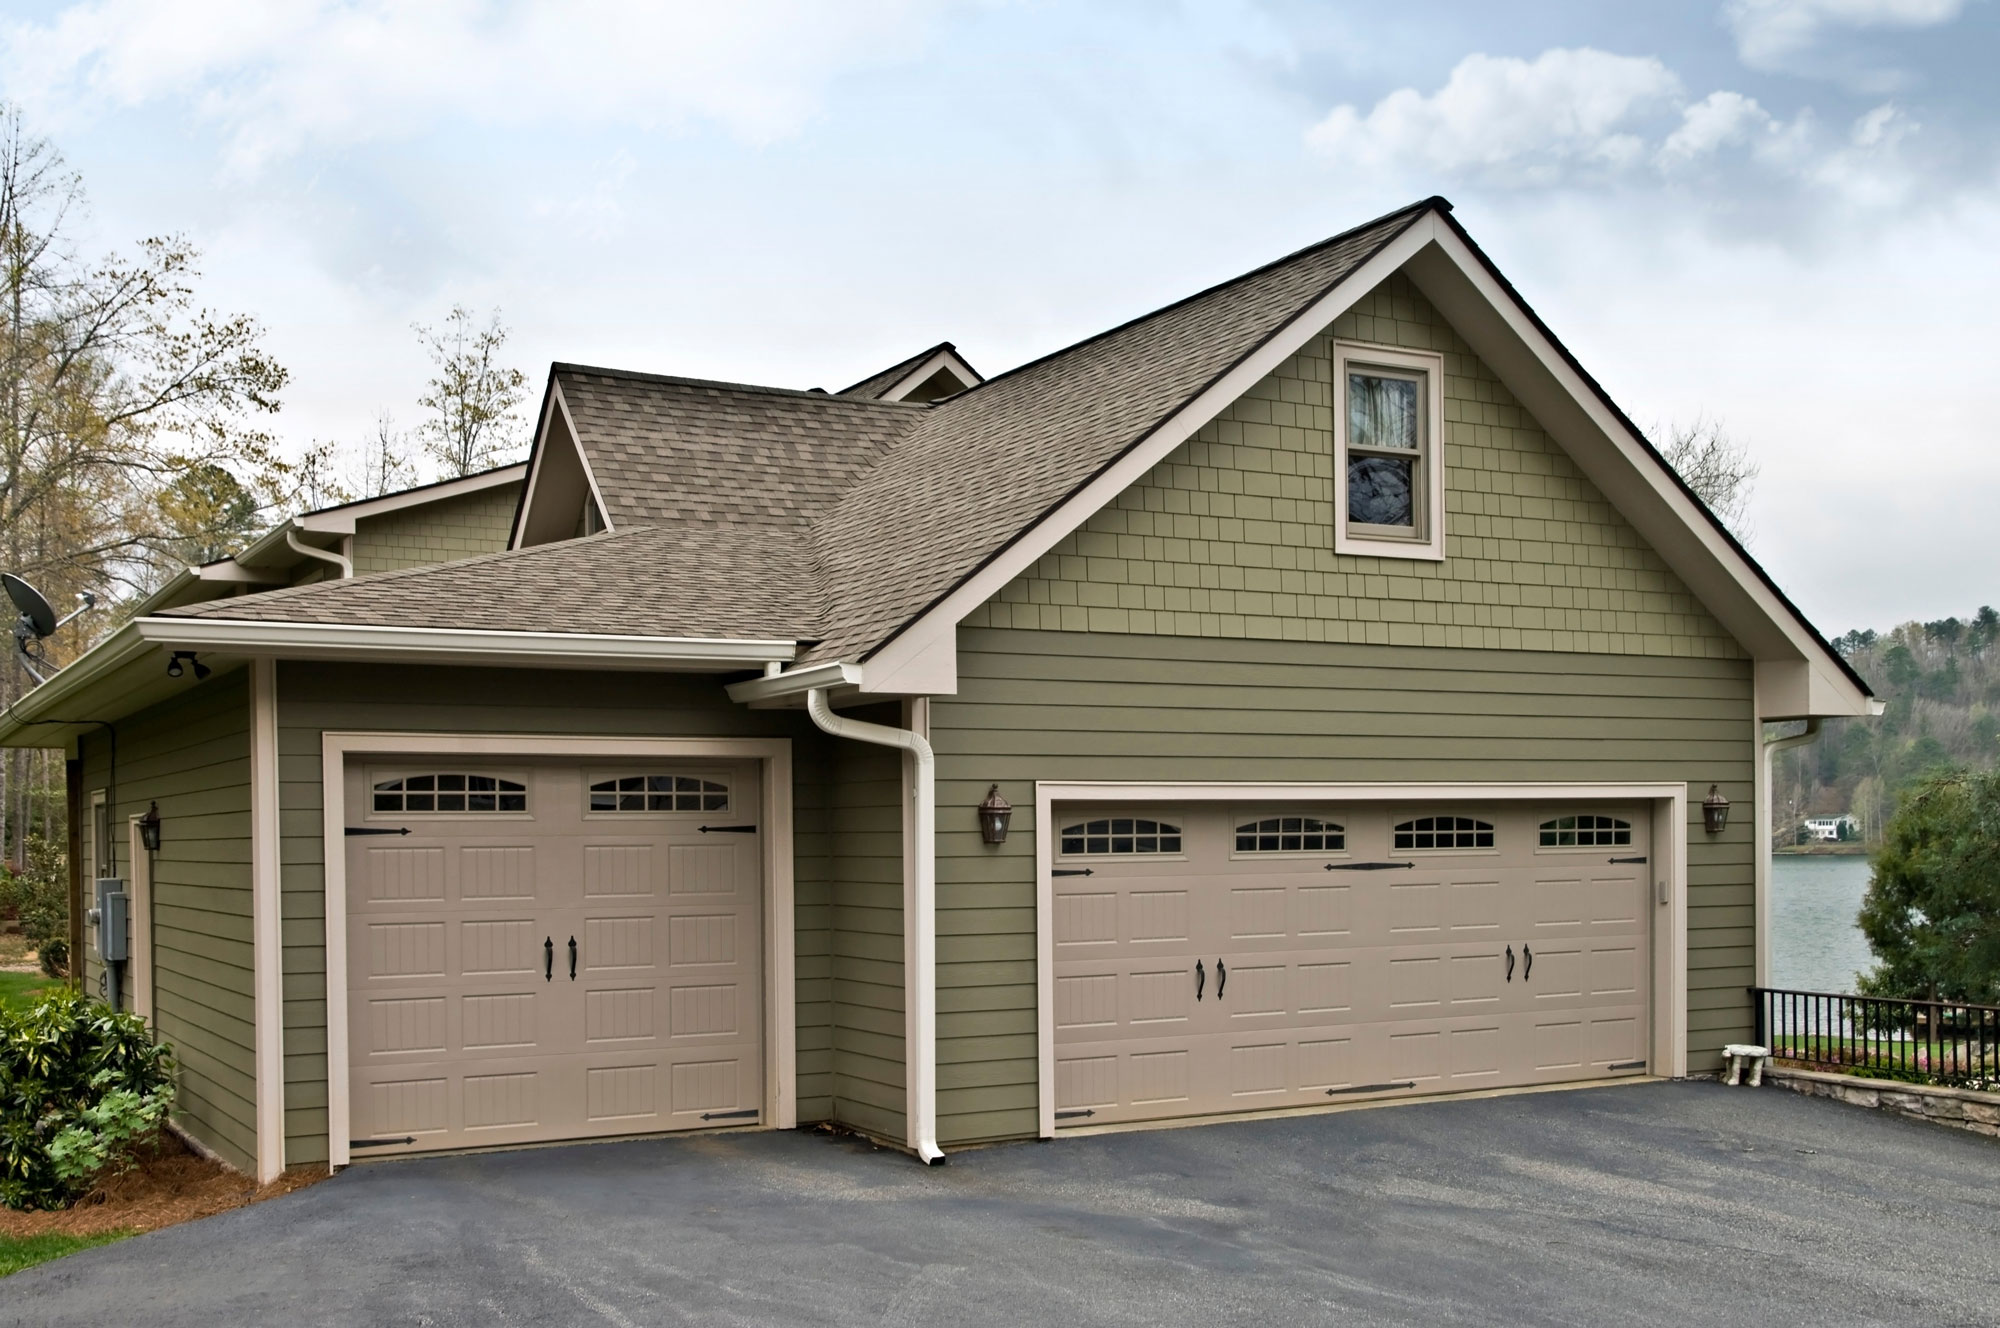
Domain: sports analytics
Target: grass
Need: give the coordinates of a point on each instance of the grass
(18, 1252)
(19, 990)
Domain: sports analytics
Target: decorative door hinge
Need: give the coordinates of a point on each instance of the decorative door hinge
(1371, 1088)
(1369, 866)
(728, 829)
(378, 829)
(1072, 1115)
(744, 1114)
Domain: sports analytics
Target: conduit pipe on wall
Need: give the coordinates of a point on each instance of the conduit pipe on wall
(324, 555)
(921, 1059)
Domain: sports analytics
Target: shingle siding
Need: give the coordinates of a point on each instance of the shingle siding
(1232, 535)
(437, 532)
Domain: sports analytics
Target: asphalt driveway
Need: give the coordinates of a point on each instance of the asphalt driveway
(1638, 1204)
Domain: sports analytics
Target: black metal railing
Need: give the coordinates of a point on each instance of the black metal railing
(1943, 1042)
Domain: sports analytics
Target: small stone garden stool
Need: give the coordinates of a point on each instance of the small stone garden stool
(1742, 1055)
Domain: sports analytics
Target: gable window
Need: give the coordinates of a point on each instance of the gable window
(658, 793)
(1585, 832)
(1290, 834)
(1120, 835)
(1389, 472)
(450, 793)
(1431, 832)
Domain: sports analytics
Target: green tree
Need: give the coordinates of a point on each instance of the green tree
(472, 399)
(1932, 911)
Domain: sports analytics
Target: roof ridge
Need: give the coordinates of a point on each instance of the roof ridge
(758, 389)
(1435, 201)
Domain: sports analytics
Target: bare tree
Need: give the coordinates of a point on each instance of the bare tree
(1717, 467)
(472, 400)
(386, 465)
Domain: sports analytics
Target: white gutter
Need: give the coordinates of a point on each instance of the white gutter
(920, 1059)
(470, 645)
(1765, 813)
(795, 682)
(341, 561)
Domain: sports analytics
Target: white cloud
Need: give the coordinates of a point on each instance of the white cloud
(1515, 120)
(1770, 32)
(278, 78)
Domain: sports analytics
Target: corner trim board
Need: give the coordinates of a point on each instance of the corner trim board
(780, 1109)
(267, 922)
(1668, 1039)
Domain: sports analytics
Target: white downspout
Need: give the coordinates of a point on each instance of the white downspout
(1765, 814)
(324, 555)
(921, 1059)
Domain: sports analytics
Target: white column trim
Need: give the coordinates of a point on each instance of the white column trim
(1669, 801)
(781, 1103)
(266, 920)
(139, 891)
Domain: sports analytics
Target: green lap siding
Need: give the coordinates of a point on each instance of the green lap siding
(314, 698)
(436, 532)
(191, 755)
(1036, 705)
(867, 934)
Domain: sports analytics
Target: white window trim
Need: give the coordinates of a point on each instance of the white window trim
(774, 755)
(1667, 1041)
(1429, 543)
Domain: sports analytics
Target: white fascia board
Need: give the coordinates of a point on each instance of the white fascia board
(921, 636)
(1591, 433)
(536, 454)
(49, 699)
(930, 364)
(795, 682)
(589, 476)
(460, 645)
(340, 520)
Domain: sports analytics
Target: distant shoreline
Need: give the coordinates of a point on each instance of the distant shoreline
(1849, 850)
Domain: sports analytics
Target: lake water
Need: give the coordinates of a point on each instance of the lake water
(1815, 945)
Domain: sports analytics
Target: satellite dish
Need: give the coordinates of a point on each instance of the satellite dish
(35, 610)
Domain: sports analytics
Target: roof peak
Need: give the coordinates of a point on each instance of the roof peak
(724, 385)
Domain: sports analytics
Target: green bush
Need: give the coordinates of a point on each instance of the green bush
(41, 894)
(81, 1089)
(1932, 911)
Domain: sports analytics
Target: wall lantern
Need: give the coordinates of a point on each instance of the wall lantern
(149, 829)
(994, 813)
(1714, 811)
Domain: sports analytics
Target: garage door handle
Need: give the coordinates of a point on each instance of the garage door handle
(1625, 859)
(1368, 866)
(1529, 970)
(1510, 963)
(1200, 979)
(548, 959)
(1221, 978)
(572, 959)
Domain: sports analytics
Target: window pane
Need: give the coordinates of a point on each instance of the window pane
(1379, 491)
(1381, 412)
(388, 802)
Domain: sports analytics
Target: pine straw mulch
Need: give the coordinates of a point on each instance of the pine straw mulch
(168, 1186)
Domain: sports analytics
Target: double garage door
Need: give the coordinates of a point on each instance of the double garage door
(551, 951)
(1219, 959)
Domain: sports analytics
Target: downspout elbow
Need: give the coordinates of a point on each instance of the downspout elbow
(921, 1058)
(341, 561)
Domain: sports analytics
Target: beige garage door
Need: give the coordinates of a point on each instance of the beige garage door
(546, 951)
(1217, 959)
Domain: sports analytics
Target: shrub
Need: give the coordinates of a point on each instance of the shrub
(81, 1089)
(41, 894)
(1932, 912)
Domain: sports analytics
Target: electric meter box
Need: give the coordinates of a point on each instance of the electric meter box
(113, 944)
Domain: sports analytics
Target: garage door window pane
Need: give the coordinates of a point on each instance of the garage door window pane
(658, 793)
(1290, 834)
(1585, 832)
(1432, 832)
(452, 792)
(1120, 835)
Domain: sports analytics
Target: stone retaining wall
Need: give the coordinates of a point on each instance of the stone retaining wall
(1966, 1108)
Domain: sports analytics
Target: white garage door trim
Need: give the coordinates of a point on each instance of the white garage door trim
(775, 756)
(1669, 836)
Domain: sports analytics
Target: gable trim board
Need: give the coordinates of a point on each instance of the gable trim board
(943, 357)
(919, 656)
(778, 948)
(538, 461)
(1669, 1035)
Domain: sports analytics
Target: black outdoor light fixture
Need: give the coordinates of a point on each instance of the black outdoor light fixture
(201, 670)
(149, 829)
(994, 813)
(1714, 811)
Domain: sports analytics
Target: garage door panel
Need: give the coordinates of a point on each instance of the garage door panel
(1348, 984)
(471, 1024)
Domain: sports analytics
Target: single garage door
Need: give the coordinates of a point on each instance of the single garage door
(551, 951)
(1218, 959)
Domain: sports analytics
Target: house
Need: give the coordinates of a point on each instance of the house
(1354, 672)
(1830, 827)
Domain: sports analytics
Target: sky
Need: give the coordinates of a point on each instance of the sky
(1782, 216)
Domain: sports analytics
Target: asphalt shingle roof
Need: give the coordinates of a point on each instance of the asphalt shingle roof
(742, 511)
(874, 385)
